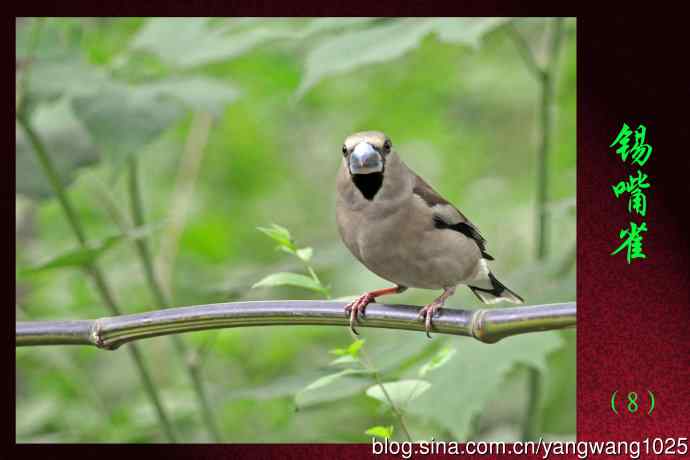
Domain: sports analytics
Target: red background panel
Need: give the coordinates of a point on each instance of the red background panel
(633, 320)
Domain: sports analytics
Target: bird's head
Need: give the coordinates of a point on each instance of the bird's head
(365, 152)
(365, 156)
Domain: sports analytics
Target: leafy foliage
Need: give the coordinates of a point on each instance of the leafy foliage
(453, 94)
(70, 145)
(381, 43)
(192, 42)
(384, 432)
(475, 375)
(290, 279)
(440, 359)
(400, 393)
(282, 236)
(121, 118)
(84, 256)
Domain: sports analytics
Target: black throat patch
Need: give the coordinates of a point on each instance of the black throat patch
(368, 184)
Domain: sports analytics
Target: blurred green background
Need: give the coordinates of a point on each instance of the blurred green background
(238, 123)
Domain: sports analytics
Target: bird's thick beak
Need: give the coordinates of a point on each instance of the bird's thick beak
(364, 159)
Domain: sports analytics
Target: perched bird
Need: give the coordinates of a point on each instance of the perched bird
(404, 231)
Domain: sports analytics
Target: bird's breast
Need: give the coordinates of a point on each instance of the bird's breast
(400, 243)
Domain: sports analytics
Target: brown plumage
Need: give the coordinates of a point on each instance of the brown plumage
(401, 229)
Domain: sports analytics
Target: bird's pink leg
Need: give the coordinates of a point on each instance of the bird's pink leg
(356, 308)
(430, 310)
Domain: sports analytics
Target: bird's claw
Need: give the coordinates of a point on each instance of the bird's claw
(356, 308)
(426, 314)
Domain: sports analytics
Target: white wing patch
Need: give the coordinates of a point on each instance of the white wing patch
(481, 279)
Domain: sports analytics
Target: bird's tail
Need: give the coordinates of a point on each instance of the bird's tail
(490, 290)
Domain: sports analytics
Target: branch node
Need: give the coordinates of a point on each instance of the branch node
(97, 338)
(478, 327)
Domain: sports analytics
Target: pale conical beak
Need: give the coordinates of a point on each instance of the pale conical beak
(364, 159)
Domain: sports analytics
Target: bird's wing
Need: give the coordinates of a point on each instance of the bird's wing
(447, 216)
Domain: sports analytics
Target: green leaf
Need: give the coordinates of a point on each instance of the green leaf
(67, 142)
(279, 234)
(305, 254)
(400, 392)
(69, 76)
(191, 42)
(80, 257)
(440, 358)
(466, 31)
(234, 38)
(49, 62)
(345, 359)
(196, 93)
(474, 376)
(343, 384)
(320, 25)
(350, 50)
(333, 386)
(123, 120)
(289, 279)
(53, 41)
(325, 289)
(330, 378)
(353, 349)
(286, 249)
(383, 432)
(339, 351)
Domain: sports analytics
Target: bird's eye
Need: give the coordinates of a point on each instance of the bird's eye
(344, 150)
(387, 146)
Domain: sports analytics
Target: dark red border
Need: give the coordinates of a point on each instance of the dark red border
(633, 321)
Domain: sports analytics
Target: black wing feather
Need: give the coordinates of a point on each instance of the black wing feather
(467, 230)
(432, 198)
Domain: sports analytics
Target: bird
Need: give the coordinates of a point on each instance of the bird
(405, 232)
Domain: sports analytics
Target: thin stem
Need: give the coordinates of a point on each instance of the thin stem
(92, 268)
(525, 52)
(548, 90)
(53, 177)
(187, 175)
(163, 301)
(22, 87)
(568, 262)
(368, 364)
(142, 246)
(547, 80)
(531, 422)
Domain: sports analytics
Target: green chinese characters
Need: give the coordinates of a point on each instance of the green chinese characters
(635, 186)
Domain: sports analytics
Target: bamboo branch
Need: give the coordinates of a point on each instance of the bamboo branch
(485, 325)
